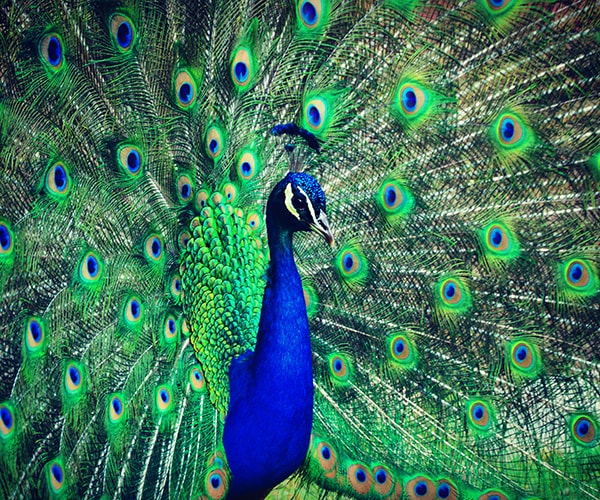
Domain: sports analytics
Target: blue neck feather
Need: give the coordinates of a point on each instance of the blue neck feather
(268, 424)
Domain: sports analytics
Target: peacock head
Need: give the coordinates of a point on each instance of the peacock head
(297, 203)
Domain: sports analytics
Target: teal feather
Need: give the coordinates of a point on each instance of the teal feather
(454, 326)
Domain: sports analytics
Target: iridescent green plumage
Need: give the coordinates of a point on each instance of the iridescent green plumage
(455, 326)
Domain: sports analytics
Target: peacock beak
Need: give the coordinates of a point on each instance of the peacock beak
(321, 226)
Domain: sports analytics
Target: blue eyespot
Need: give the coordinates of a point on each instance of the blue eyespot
(348, 262)
(156, 248)
(338, 365)
(409, 99)
(186, 190)
(326, 452)
(381, 476)
(178, 285)
(124, 35)
(5, 239)
(57, 473)
(117, 406)
(133, 161)
(478, 412)
(421, 488)
(507, 129)
(390, 196)
(360, 475)
(582, 427)
(134, 307)
(449, 291)
(309, 13)
(399, 346)
(215, 481)
(172, 326)
(443, 491)
(60, 178)
(186, 92)
(241, 71)
(7, 418)
(54, 51)
(522, 353)
(213, 146)
(92, 266)
(314, 115)
(164, 395)
(246, 168)
(496, 237)
(74, 375)
(36, 331)
(575, 272)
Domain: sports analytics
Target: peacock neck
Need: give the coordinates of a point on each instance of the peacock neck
(268, 425)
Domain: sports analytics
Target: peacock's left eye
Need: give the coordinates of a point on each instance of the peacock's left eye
(299, 202)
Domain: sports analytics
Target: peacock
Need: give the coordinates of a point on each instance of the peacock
(300, 249)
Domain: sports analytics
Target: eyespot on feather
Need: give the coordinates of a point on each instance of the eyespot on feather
(413, 102)
(175, 287)
(316, 114)
(116, 408)
(453, 295)
(401, 351)
(230, 192)
(326, 457)
(134, 311)
(340, 369)
(73, 378)
(446, 490)
(55, 475)
(493, 495)
(254, 221)
(479, 416)
(360, 479)
(216, 483)
(394, 199)
(383, 481)
(524, 358)
(243, 67)
(248, 165)
(51, 51)
(420, 488)
(7, 420)
(6, 240)
(578, 278)
(196, 379)
(352, 265)
(215, 142)
(185, 190)
(130, 159)
(35, 336)
(510, 134)
(123, 32)
(163, 399)
(584, 430)
(90, 268)
(312, 15)
(170, 329)
(185, 89)
(153, 248)
(58, 180)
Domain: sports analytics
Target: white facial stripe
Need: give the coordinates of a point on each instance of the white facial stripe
(289, 194)
(309, 203)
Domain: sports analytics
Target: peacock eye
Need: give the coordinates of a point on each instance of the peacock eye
(299, 202)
